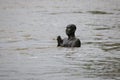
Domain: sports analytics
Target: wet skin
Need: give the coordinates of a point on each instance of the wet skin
(71, 41)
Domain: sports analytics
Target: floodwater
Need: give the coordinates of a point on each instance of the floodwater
(28, 31)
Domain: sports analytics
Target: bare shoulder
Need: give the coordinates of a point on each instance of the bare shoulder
(77, 39)
(77, 43)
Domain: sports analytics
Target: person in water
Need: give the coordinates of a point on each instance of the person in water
(71, 41)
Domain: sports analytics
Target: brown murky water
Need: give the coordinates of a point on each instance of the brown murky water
(28, 31)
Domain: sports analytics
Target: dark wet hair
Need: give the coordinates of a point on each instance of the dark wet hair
(71, 26)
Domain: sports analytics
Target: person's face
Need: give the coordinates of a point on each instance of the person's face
(69, 31)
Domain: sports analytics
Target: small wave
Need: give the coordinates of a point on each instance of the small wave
(18, 49)
(102, 28)
(92, 42)
(76, 12)
(13, 41)
(111, 46)
(116, 9)
(99, 12)
(2, 30)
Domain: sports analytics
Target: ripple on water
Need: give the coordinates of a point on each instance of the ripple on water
(2, 30)
(102, 28)
(99, 12)
(116, 9)
(19, 49)
(8, 41)
(74, 12)
(110, 46)
(28, 37)
(13, 41)
(29, 55)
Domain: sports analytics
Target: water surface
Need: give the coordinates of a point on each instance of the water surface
(28, 31)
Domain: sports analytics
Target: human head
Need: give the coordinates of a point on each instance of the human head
(70, 29)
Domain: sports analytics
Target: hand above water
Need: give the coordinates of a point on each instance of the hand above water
(59, 40)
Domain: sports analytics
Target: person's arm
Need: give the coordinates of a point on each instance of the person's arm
(59, 41)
